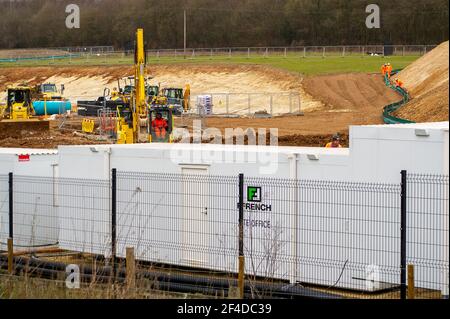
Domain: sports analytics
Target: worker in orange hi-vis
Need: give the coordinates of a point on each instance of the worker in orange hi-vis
(398, 83)
(383, 69)
(335, 142)
(389, 70)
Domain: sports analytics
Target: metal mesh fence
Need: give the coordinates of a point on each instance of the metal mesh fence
(250, 103)
(186, 220)
(333, 234)
(342, 238)
(106, 55)
(428, 230)
(4, 209)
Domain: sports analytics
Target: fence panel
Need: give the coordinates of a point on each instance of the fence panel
(327, 233)
(71, 213)
(428, 230)
(180, 219)
(35, 212)
(318, 233)
(4, 210)
(251, 103)
(84, 208)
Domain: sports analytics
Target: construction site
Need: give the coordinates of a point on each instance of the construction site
(224, 179)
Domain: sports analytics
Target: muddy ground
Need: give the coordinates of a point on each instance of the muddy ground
(330, 102)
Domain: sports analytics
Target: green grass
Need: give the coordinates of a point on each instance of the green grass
(308, 66)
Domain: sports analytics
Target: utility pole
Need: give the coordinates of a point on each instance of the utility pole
(184, 46)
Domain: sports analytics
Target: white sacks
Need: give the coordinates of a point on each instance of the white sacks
(205, 104)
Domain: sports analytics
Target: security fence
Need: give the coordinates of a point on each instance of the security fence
(298, 51)
(107, 54)
(200, 233)
(270, 103)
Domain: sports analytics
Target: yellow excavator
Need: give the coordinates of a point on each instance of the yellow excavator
(129, 114)
(136, 113)
(19, 112)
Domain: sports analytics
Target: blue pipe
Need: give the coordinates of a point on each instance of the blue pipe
(53, 107)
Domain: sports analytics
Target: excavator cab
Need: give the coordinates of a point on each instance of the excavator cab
(178, 98)
(152, 91)
(49, 91)
(160, 125)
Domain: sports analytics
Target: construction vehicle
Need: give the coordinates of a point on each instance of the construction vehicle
(177, 98)
(48, 91)
(152, 91)
(133, 103)
(48, 100)
(132, 115)
(19, 105)
(127, 88)
(19, 112)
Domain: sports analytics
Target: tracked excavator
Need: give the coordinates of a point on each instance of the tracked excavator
(138, 113)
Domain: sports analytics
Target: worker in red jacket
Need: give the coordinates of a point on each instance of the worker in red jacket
(159, 125)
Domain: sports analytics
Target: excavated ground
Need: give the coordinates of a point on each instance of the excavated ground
(330, 102)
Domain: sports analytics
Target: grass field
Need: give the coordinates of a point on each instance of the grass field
(307, 66)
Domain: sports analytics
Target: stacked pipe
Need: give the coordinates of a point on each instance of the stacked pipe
(164, 281)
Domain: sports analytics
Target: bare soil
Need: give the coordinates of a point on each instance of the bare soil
(87, 83)
(427, 81)
(330, 102)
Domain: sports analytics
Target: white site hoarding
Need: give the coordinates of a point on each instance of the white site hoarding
(308, 236)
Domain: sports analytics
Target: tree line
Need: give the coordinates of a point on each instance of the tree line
(222, 23)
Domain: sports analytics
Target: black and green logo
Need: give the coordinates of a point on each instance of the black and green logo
(253, 194)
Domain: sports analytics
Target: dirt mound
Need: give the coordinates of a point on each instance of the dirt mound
(427, 81)
(51, 139)
(362, 96)
(428, 72)
(311, 140)
(429, 107)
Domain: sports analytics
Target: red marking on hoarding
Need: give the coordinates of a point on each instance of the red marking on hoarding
(24, 157)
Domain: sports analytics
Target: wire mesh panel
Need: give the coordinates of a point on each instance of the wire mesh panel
(4, 205)
(428, 230)
(84, 213)
(71, 212)
(187, 219)
(323, 233)
(269, 227)
(336, 234)
(35, 212)
(250, 103)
